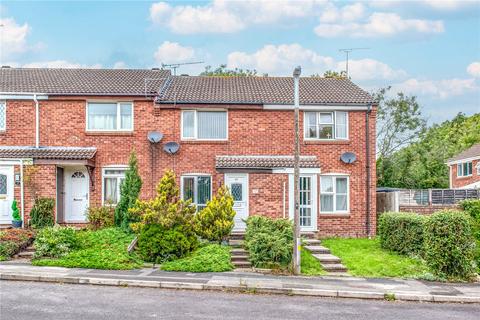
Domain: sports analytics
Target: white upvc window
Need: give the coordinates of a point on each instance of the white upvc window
(204, 125)
(478, 168)
(197, 188)
(3, 116)
(326, 125)
(464, 169)
(112, 178)
(109, 116)
(334, 194)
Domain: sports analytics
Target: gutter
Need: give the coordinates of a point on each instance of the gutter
(368, 169)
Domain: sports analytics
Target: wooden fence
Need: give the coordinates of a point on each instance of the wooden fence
(423, 197)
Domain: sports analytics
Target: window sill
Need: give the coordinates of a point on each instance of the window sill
(464, 177)
(204, 141)
(109, 133)
(326, 141)
(334, 215)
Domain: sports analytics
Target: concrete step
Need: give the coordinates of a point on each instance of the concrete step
(238, 252)
(338, 267)
(240, 258)
(237, 236)
(236, 243)
(317, 249)
(327, 259)
(25, 254)
(311, 242)
(241, 264)
(308, 235)
(30, 249)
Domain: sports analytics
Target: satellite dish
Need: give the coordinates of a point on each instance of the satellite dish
(348, 157)
(171, 147)
(154, 136)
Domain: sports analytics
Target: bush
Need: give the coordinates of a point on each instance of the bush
(215, 222)
(472, 207)
(402, 232)
(158, 244)
(209, 258)
(15, 211)
(449, 246)
(269, 241)
(13, 240)
(55, 242)
(42, 214)
(100, 217)
(129, 191)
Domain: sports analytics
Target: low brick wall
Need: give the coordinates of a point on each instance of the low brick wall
(429, 209)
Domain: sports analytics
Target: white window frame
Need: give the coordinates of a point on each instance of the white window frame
(195, 124)
(334, 131)
(195, 176)
(118, 176)
(460, 169)
(334, 193)
(478, 168)
(119, 118)
(4, 126)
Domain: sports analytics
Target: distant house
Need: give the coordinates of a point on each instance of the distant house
(465, 169)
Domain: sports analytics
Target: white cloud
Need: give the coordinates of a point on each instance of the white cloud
(59, 64)
(13, 38)
(347, 13)
(119, 65)
(440, 89)
(379, 24)
(282, 59)
(221, 16)
(172, 52)
(473, 69)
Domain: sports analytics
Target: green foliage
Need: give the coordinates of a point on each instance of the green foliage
(100, 217)
(472, 207)
(222, 71)
(209, 258)
(158, 244)
(166, 223)
(331, 74)
(101, 249)
(366, 258)
(269, 241)
(15, 211)
(13, 240)
(42, 214)
(55, 242)
(215, 222)
(449, 245)
(421, 165)
(402, 232)
(129, 191)
(310, 265)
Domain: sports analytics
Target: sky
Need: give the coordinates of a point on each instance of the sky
(430, 49)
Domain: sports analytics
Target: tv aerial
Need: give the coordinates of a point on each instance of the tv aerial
(347, 52)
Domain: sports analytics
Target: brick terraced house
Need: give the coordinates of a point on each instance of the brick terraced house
(465, 169)
(77, 127)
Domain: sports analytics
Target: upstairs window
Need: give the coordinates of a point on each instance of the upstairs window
(110, 116)
(3, 116)
(326, 125)
(204, 125)
(464, 169)
(198, 189)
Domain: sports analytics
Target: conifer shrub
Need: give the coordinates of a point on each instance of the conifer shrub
(42, 213)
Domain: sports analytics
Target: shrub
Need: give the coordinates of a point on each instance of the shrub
(100, 217)
(166, 227)
(449, 246)
(13, 240)
(402, 232)
(42, 214)
(55, 241)
(15, 211)
(158, 244)
(129, 191)
(472, 207)
(215, 222)
(269, 241)
(209, 258)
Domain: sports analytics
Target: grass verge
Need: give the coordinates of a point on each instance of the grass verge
(101, 249)
(365, 258)
(310, 266)
(208, 258)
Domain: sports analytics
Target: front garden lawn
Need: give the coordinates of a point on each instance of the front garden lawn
(208, 258)
(310, 266)
(101, 249)
(365, 258)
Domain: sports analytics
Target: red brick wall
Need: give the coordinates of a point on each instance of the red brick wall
(251, 132)
(459, 182)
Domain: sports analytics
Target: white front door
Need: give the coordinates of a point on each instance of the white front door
(308, 201)
(76, 194)
(6, 194)
(237, 183)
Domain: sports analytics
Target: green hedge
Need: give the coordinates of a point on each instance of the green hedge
(402, 232)
(449, 246)
(269, 242)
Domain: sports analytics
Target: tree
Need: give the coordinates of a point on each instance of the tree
(331, 74)
(15, 211)
(222, 71)
(215, 222)
(129, 192)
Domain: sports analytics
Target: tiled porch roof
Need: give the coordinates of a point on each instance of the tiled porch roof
(57, 153)
(264, 162)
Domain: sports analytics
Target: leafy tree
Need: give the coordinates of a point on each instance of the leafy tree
(129, 192)
(222, 71)
(215, 222)
(331, 74)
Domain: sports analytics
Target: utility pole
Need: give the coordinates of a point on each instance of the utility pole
(296, 174)
(347, 52)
